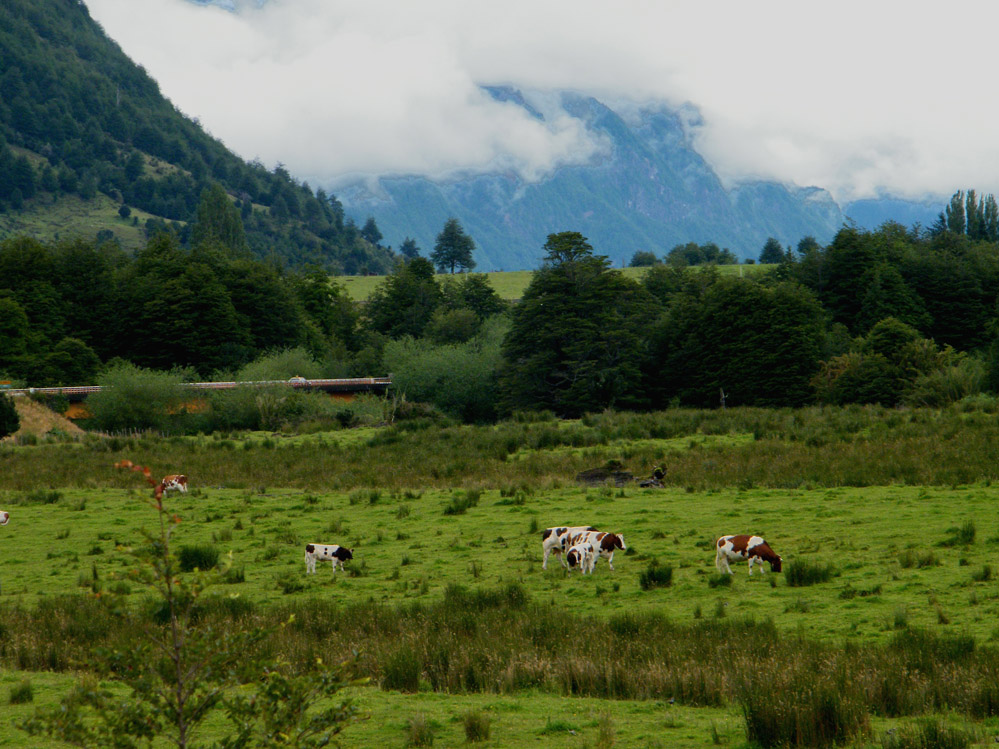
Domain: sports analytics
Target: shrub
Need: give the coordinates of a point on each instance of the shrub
(802, 572)
(9, 420)
(420, 731)
(476, 726)
(202, 557)
(963, 536)
(135, 398)
(655, 576)
(22, 693)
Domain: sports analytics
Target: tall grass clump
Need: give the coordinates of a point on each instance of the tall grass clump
(655, 575)
(198, 556)
(803, 572)
(476, 725)
(419, 731)
(963, 536)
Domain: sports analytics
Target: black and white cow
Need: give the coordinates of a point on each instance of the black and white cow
(4, 517)
(604, 545)
(322, 552)
(554, 541)
(753, 548)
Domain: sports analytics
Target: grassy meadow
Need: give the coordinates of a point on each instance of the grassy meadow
(510, 284)
(887, 610)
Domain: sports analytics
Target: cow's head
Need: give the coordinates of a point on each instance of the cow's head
(310, 548)
(4, 517)
(775, 563)
(344, 553)
(612, 541)
(573, 558)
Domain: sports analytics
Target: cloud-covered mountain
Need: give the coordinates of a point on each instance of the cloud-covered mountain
(646, 189)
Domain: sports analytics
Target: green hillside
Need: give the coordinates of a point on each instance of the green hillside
(85, 134)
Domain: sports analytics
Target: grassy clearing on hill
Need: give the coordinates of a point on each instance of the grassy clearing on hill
(511, 284)
(71, 217)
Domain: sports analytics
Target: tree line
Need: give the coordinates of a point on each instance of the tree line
(889, 316)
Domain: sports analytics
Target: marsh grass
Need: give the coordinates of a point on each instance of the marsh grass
(812, 447)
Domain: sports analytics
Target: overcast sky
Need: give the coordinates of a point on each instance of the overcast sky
(858, 97)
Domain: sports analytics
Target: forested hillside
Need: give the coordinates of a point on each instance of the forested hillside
(87, 138)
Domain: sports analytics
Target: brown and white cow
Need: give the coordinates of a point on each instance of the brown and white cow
(554, 541)
(753, 548)
(4, 517)
(323, 552)
(175, 482)
(604, 545)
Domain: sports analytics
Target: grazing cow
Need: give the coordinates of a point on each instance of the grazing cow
(604, 545)
(553, 540)
(332, 552)
(175, 482)
(4, 517)
(581, 555)
(753, 548)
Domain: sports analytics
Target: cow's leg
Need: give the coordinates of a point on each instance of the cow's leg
(610, 561)
(724, 561)
(544, 562)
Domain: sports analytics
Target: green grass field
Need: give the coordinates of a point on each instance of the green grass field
(899, 559)
(407, 549)
(511, 284)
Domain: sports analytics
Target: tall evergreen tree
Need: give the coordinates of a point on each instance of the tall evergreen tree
(772, 252)
(453, 249)
(218, 221)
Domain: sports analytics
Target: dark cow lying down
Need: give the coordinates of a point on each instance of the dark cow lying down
(322, 552)
(737, 548)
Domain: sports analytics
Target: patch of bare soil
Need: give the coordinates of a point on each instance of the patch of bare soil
(38, 420)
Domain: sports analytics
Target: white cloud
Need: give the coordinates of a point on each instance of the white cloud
(854, 96)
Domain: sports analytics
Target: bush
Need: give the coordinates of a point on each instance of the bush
(802, 572)
(9, 420)
(23, 692)
(655, 576)
(202, 557)
(281, 365)
(460, 379)
(476, 726)
(135, 398)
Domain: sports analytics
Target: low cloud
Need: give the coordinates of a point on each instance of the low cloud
(859, 98)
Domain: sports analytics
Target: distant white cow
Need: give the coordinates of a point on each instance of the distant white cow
(4, 517)
(553, 541)
(326, 552)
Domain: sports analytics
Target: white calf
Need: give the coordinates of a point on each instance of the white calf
(4, 517)
(554, 540)
(582, 555)
(323, 552)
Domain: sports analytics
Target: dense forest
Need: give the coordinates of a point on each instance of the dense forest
(79, 118)
(894, 316)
